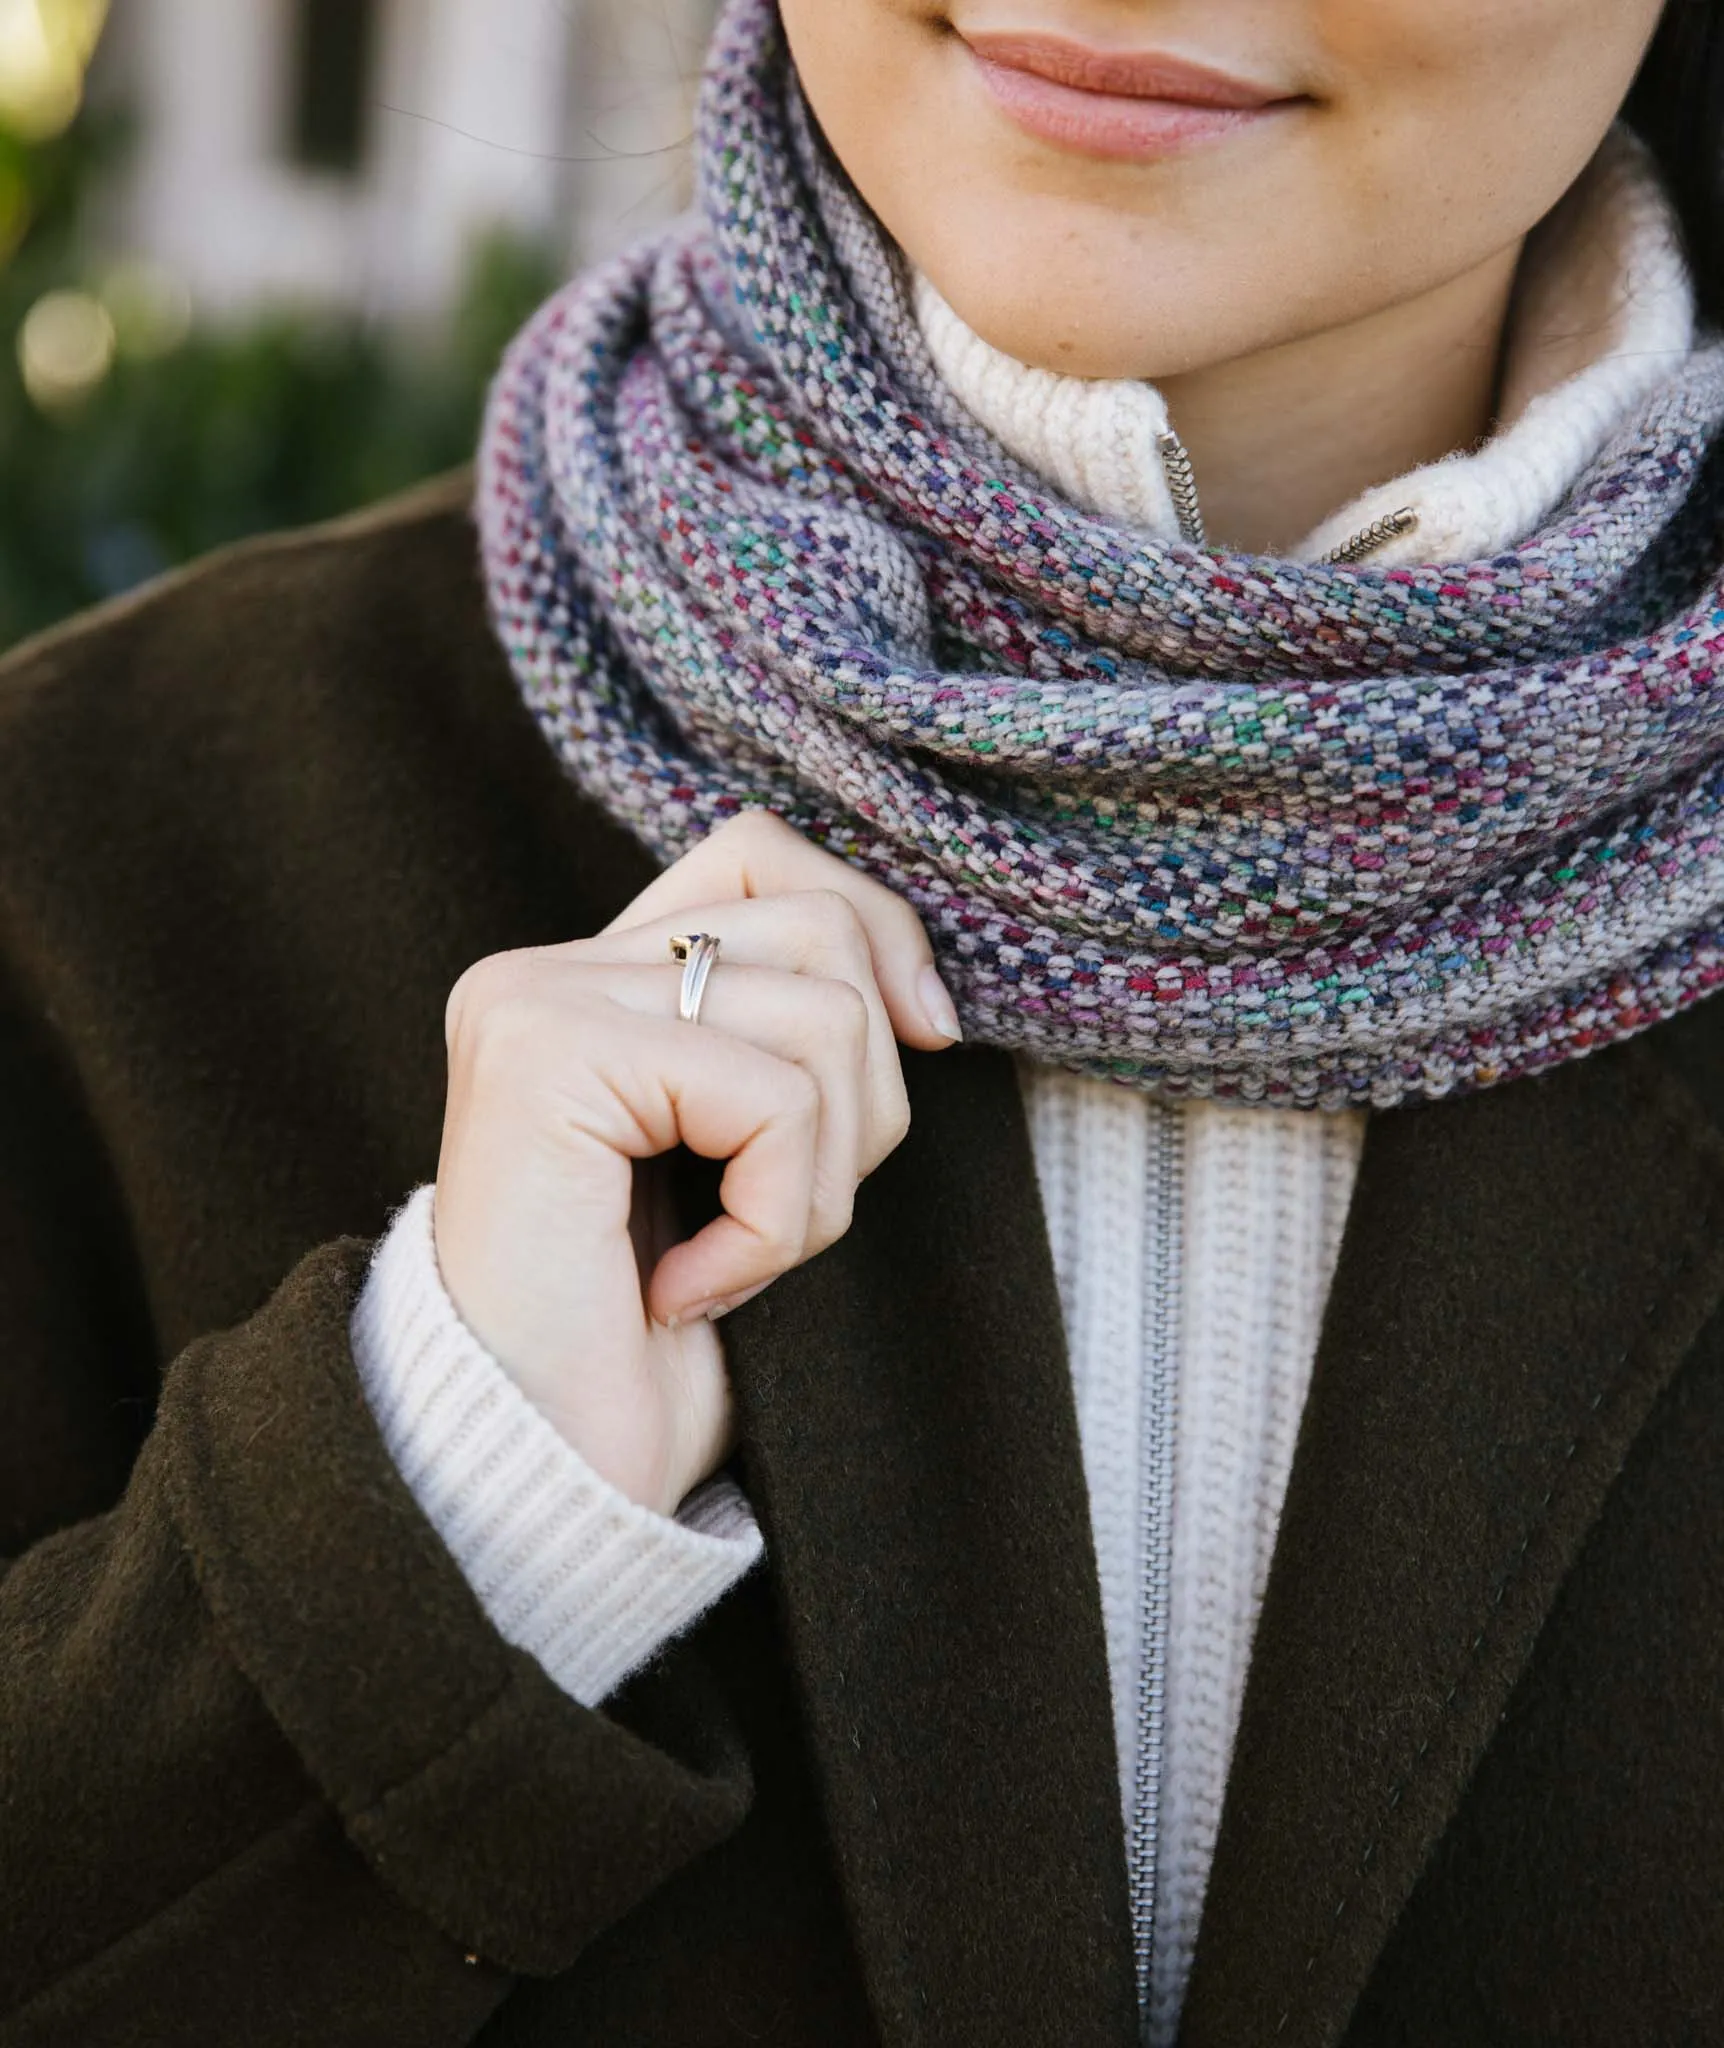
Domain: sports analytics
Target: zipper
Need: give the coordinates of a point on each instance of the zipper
(1165, 1169)
(1370, 538)
(1182, 488)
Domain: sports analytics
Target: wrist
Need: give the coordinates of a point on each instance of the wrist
(627, 1408)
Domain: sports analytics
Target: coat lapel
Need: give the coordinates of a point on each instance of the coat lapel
(1522, 1273)
(910, 1443)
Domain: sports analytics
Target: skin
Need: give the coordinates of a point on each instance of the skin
(1321, 296)
(570, 1073)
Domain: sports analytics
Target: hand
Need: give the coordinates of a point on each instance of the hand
(570, 1072)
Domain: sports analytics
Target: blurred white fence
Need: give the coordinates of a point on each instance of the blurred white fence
(348, 151)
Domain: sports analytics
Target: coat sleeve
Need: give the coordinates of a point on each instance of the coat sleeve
(267, 1771)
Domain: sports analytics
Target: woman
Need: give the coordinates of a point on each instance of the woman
(1178, 544)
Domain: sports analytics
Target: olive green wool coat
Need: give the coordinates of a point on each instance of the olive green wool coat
(268, 1776)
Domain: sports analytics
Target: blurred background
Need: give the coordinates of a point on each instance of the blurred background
(258, 257)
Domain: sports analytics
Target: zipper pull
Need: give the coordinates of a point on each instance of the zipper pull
(1182, 487)
(1370, 538)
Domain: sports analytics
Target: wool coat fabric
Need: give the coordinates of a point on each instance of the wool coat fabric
(267, 1776)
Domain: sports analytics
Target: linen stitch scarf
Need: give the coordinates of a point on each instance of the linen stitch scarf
(1207, 824)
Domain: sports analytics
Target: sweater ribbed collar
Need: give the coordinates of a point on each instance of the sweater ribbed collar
(1604, 306)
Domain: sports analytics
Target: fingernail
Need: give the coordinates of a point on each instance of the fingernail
(723, 1308)
(710, 1311)
(937, 1005)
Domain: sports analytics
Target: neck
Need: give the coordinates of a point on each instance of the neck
(1281, 438)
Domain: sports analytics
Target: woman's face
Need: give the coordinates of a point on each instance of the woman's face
(1144, 188)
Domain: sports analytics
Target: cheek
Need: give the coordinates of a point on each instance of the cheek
(1489, 105)
(866, 67)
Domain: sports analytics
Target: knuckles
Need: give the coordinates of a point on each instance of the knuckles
(893, 1125)
(798, 1096)
(471, 998)
(830, 916)
(779, 862)
(829, 1221)
(751, 829)
(510, 1010)
(839, 1013)
(753, 843)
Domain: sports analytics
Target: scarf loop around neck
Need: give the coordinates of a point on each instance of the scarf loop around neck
(1205, 824)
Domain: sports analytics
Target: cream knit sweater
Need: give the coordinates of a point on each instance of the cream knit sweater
(1193, 1244)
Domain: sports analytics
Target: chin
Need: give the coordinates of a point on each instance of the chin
(1070, 282)
(1076, 324)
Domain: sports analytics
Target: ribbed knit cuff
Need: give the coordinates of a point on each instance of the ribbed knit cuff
(566, 1566)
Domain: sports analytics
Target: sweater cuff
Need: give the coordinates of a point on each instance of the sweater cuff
(566, 1566)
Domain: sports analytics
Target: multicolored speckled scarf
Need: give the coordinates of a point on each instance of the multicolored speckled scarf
(1207, 824)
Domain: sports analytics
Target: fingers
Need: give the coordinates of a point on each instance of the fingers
(568, 1063)
(758, 855)
(821, 1026)
(586, 1063)
(815, 935)
(660, 1082)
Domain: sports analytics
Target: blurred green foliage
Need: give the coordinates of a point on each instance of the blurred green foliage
(235, 430)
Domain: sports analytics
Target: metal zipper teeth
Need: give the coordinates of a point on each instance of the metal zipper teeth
(1370, 538)
(1182, 488)
(1165, 1170)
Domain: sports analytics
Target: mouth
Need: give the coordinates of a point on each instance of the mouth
(1138, 105)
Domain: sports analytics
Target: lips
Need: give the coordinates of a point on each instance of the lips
(1116, 103)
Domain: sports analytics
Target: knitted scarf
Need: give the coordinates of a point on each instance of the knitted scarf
(1209, 824)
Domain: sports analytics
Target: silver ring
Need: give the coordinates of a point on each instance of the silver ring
(698, 952)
